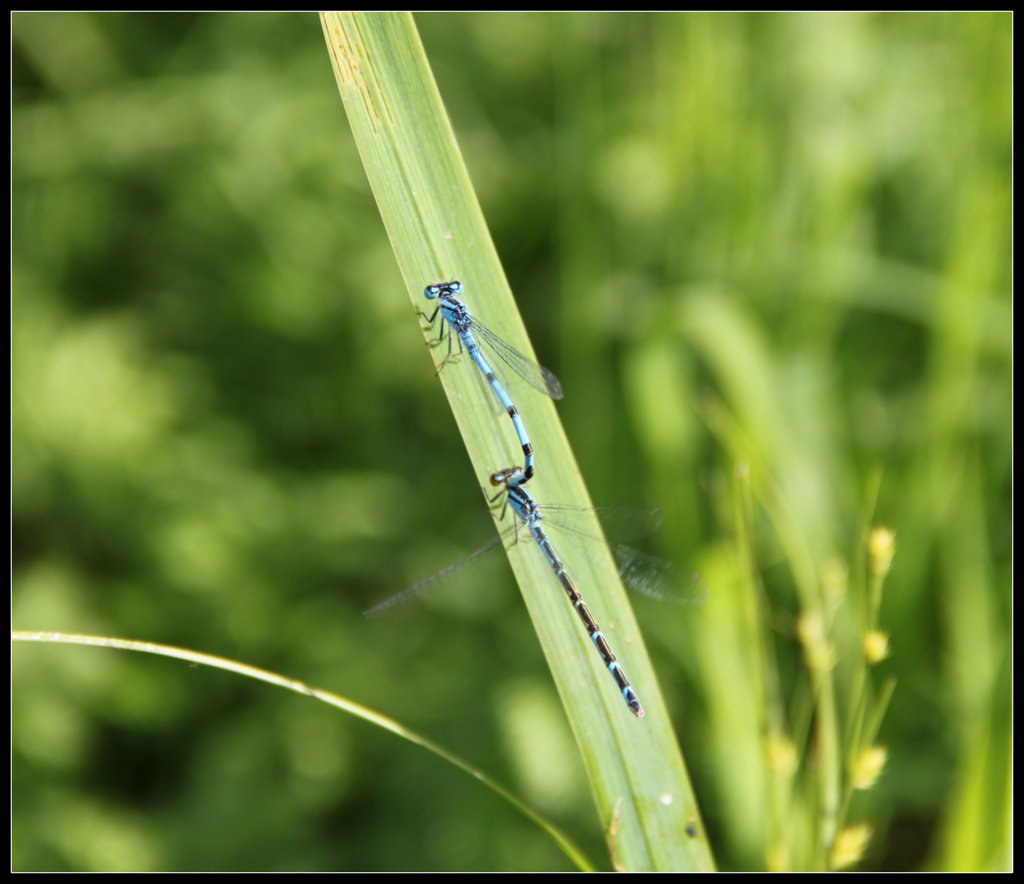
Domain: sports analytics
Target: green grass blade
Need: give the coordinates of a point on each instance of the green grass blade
(437, 231)
(328, 697)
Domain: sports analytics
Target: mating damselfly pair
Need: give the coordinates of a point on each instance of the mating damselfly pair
(648, 574)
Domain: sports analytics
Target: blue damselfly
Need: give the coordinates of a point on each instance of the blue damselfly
(471, 333)
(647, 574)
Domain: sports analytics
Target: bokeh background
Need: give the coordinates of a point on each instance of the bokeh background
(791, 230)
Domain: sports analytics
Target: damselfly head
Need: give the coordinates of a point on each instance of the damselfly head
(510, 476)
(442, 289)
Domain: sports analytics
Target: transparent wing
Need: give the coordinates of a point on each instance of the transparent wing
(617, 522)
(537, 376)
(641, 572)
(649, 575)
(658, 578)
(407, 595)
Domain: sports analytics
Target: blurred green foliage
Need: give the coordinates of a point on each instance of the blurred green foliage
(774, 246)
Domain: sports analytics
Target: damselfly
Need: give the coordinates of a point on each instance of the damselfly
(471, 333)
(650, 575)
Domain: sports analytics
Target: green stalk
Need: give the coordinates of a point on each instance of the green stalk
(438, 232)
